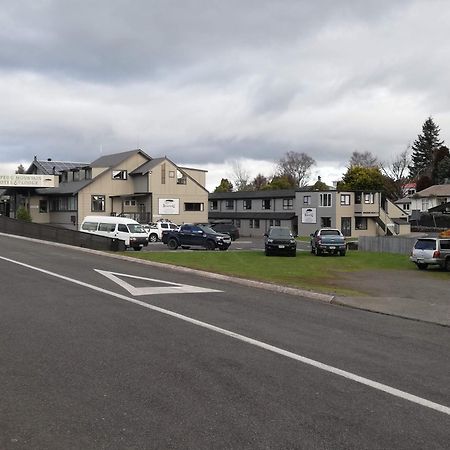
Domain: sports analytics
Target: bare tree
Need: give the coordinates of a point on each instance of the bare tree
(398, 167)
(296, 166)
(363, 159)
(240, 176)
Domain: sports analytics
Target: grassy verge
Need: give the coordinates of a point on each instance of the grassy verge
(306, 271)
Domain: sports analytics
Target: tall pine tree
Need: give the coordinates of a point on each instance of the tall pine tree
(424, 149)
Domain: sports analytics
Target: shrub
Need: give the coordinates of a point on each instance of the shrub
(23, 214)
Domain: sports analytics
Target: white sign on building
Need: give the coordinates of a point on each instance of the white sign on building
(169, 206)
(22, 180)
(309, 215)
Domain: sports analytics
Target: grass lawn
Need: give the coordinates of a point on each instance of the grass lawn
(305, 271)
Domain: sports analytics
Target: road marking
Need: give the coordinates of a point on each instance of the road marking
(171, 288)
(311, 362)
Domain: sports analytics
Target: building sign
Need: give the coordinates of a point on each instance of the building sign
(169, 206)
(309, 215)
(21, 180)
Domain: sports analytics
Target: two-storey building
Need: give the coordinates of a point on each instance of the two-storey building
(355, 213)
(130, 184)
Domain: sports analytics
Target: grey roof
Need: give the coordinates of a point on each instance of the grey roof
(251, 215)
(403, 200)
(116, 158)
(49, 167)
(438, 190)
(65, 188)
(147, 167)
(277, 193)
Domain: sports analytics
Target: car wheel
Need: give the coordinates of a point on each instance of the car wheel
(342, 252)
(294, 253)
(186, 247)
(317, 251)
(137, 249)
(422, 266)
(267, 252)
(210, 245)
(172, 244)
(312, 249)
(153, 237)
(447, 264)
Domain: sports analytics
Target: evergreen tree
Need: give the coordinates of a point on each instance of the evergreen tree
(424, 149)
(224, 186)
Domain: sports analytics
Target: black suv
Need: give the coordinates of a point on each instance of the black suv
(280, 240)
(227, 228)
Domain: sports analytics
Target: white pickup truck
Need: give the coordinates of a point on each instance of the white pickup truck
(155, 230)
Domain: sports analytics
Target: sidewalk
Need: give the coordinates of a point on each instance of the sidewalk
(418, 295)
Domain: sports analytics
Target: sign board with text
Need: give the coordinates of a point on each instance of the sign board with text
(33, 181)
(169, 206)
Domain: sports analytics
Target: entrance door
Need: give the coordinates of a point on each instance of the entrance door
(346, 226)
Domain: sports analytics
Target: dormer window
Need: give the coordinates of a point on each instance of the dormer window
(181, 177)
(119, 174)
(64, 177)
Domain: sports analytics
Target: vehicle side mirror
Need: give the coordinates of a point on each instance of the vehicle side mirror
(266, 235)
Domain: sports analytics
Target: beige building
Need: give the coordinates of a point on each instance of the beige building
(130, 184)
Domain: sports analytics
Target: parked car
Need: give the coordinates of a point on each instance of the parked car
(189, 235)
(328, 240)
(227, 228)
(431, 252)
(280, 240)
(127, 230)
(155, 230)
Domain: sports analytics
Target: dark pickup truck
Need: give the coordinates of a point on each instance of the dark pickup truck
(192, 235)
(328, 240)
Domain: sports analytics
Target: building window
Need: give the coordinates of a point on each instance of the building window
(229, 204)
(325, 222)
(361, 223)
(163, 173)
(277, 222)
(306, 199)
(181, 178)
(76, 175)
(406, 206)
(237, 222)
(247, 204)
(193, 206)
(345, 199)
(266, 204)
(88, 173)
(288, 203)
(119, 174)
(171, 174)
(60, 204)
(325, 200)
(130, 202)
(64, 177)
(213, 205)
(97, 203)
(425, 204)
(43, 206)
(250, 223)
(256, 223)
(369, 198)
(358, 196)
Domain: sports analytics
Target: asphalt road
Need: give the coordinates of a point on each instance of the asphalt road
(104, 353)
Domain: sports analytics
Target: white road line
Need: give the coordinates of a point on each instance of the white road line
(351, 376)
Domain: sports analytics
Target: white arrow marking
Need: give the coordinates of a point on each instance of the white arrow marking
(171, 288)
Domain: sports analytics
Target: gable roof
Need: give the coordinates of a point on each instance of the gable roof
(438, 190)
(116, 158)
(49, 167)
(147, 167)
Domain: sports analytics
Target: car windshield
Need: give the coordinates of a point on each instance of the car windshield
(280, 233)
(425, 244)
(206, 229)
(136, 228)
(329, 233)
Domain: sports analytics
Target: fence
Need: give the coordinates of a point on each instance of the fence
(61, 235)
(386, 244)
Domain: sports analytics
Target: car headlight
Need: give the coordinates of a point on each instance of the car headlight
(269, 240)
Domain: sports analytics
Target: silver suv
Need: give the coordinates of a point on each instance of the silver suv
(431, 251)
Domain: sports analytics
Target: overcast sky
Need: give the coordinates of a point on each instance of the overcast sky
(209, 82)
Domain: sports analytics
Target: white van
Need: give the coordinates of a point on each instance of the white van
(127, 230)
